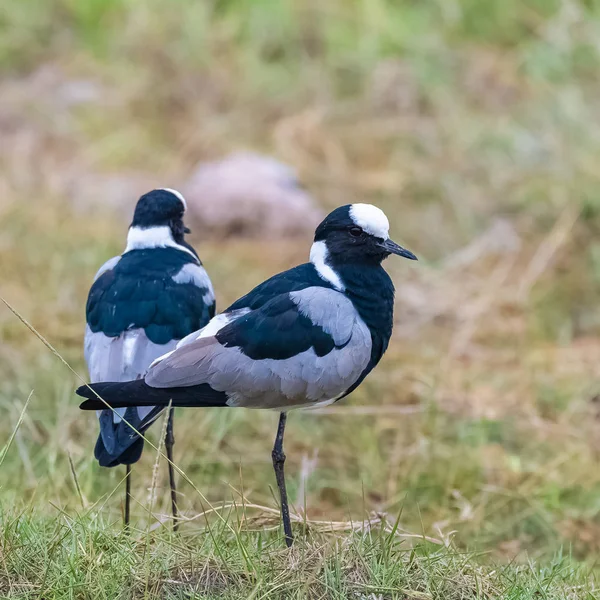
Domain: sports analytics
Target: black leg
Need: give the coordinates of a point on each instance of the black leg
(278, 461)
(169, 441)
(127, 495)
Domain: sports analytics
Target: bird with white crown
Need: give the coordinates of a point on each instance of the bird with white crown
(306, 337)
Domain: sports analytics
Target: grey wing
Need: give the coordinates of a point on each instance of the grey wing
(121, 358)
(302, 379)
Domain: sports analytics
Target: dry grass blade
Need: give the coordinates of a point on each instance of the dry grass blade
(76, 482)
(15, 429)
(365, 411)
(152, 497)
(271, 516)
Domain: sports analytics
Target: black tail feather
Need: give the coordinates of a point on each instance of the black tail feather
(138, 393)
(119, 442)
(130, 455)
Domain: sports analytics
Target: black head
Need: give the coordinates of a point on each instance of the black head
(358, 233)
(159, 208)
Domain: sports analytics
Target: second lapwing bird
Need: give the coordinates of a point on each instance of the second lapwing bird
(140, 305)
(304, 338)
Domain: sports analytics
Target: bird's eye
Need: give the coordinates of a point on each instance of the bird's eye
(355, 231)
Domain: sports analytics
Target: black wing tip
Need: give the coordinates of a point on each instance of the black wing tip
(90, 405)
(83, 391)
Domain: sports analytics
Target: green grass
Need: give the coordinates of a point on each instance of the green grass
(482, 421)
(79, 556)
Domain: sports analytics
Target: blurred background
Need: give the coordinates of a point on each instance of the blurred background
(474, 125)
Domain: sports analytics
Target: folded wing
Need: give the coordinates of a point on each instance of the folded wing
(299, 348)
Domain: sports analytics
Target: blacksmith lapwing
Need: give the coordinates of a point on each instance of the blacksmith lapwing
(140, 305)
(304, 338)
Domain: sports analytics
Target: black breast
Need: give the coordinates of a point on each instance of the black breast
(372, 292)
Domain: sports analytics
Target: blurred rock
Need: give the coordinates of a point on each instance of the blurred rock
(249, 195)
